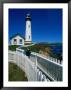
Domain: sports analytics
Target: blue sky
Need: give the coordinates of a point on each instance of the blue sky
(46, 24)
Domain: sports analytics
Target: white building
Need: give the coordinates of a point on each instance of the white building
(28, 36)
(18, 39)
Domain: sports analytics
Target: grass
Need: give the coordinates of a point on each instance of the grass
(16, 74)
(13, 47)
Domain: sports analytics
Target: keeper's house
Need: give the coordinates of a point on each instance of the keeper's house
(17, 40)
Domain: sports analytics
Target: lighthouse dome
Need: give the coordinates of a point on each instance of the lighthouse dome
(28, 17)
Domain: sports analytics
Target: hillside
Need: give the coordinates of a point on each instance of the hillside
(52, 49)
(47, 49)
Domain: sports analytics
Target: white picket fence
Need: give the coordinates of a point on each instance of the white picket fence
(37, 68)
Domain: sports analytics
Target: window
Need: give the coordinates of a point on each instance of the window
(29, 37)
(20, 41)
(29, 26)
(15, 41)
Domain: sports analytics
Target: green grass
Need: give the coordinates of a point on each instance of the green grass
(16, 74)
(13, 47)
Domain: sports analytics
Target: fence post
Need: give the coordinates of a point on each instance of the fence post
(56, 61)
(36, 66)
(59, 61)
(38, 74)
(45, 79)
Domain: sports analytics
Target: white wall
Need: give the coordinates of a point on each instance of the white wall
(17, 38)
(28, 31)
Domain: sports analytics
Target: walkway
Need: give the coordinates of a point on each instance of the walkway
(37, 68)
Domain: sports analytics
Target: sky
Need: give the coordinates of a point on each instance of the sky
(46, 24)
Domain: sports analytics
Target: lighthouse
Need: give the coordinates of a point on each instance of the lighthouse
(28, 36)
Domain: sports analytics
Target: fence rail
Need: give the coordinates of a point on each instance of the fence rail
(37, 68)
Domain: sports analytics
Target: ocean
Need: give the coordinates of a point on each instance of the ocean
(57, 50)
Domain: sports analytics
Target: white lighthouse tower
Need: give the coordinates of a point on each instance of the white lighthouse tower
(28, 36)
